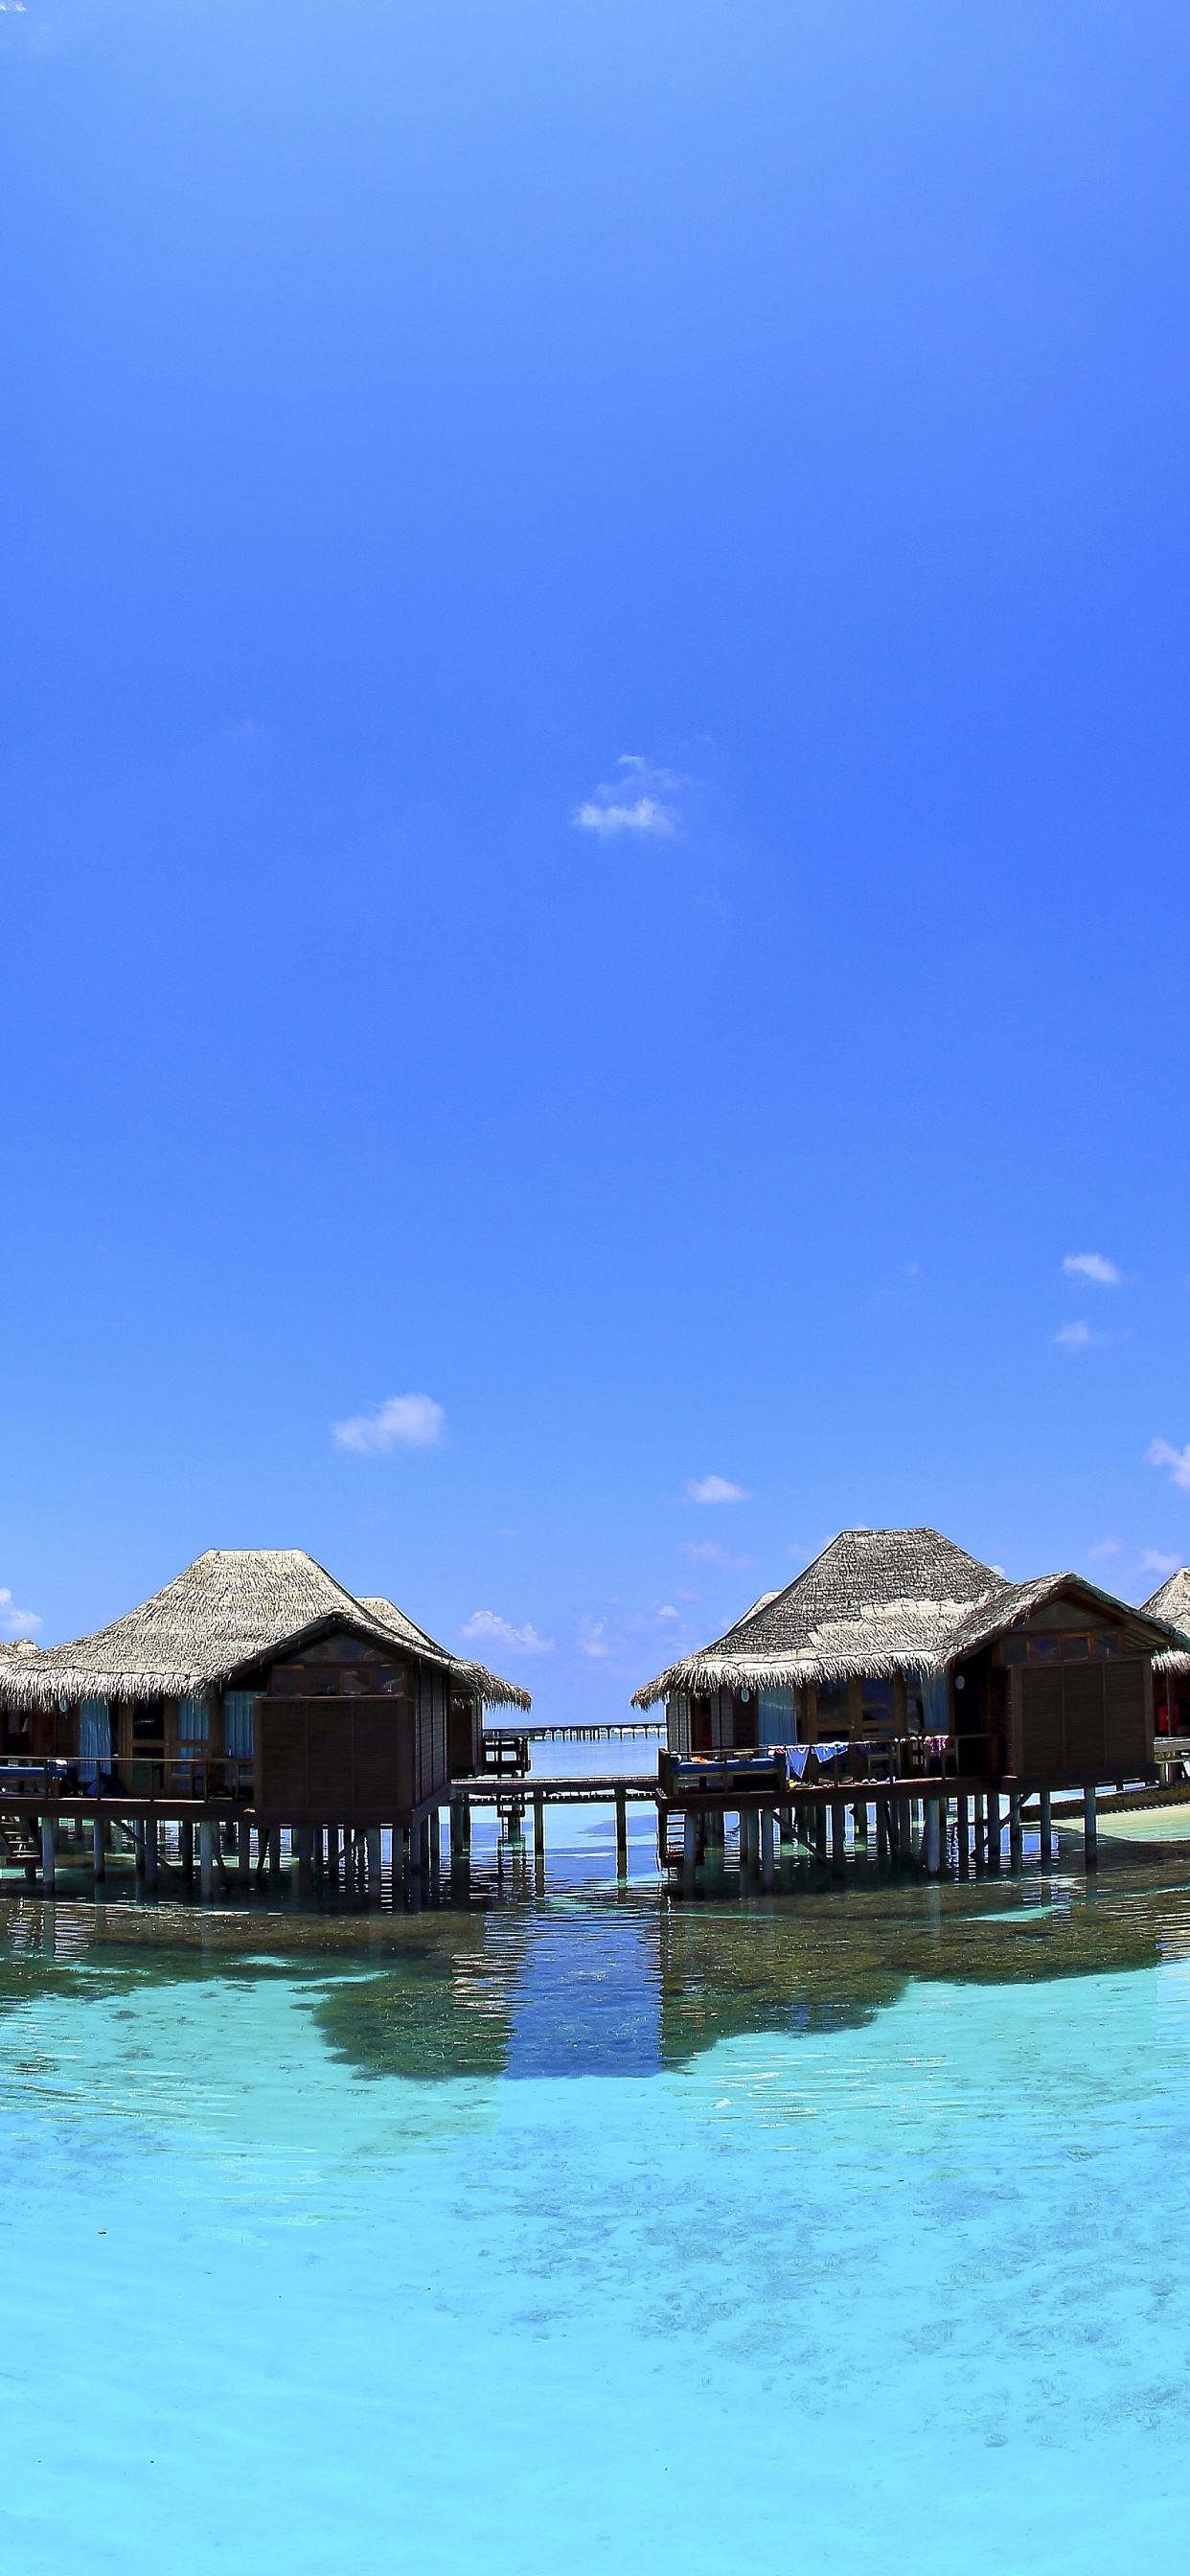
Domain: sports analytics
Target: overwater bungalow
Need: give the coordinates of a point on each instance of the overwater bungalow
(1171, 1669)
(252, 1681)
(897, 1654)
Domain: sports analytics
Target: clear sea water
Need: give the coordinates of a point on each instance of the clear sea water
(843, 2230)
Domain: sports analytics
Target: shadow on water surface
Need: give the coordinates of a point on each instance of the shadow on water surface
(599, 1979)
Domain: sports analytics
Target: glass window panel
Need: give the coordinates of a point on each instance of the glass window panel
(1044, 1650)
(1076, 1649)
(833, 1706)
(194, 1720)
(237, 1725)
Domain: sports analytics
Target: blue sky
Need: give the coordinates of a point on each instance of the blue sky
(594, 801)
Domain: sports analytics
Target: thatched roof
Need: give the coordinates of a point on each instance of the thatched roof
(231, 1609)
(1172, 1602)
(875, 1602)
(493, 1692)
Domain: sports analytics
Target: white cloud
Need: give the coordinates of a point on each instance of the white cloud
(1076, 1337)
(1151, 1561)
(401, 1422)
(484, 1626)
(1160, 1454)
(614, 807)
(665, 1610)
(707, 1551)
(715, 1489)
(1092, 1265)
(593, 1640)
(16, 1623)
(1103, 1547)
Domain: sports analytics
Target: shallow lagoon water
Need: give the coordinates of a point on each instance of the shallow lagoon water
(845, 2230)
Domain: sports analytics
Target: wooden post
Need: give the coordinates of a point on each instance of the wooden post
(767, 1868)
(838, 1836)
(621, 1834)
(995, 1829)
(275, 1856)
(539, 1822)
(97, 1834)
(47, 1855)
(820, 1830)
(186, 1848)
(963, 1834)
(690, 1849)
(1090, 1829)
(372, 1845)
(1016, 1839)
(305, 1844)
(206, 1860)
(1046, 1820)
(882, 1829)
(859, 1820)
(459, 1838)
(244, 1851)
(933, 1837)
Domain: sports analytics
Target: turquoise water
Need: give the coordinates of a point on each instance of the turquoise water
(841, 2231)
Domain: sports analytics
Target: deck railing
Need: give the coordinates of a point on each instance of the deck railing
(197, 1777)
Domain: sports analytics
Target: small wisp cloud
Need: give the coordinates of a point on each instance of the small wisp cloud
(16, 1623)
(1094, 1266)
(485, 1627)
(635, 802)
(1160, 1453)
(401, 1422)
(1076, 1337)
(715, 1489)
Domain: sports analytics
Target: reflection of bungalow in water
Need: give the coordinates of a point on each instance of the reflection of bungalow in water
(900, 1648)
(255, 1677)
(1171, 1671)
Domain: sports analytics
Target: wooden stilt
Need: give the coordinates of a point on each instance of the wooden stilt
(206, 1860)
(995, 1828)
(138, 1845)
(186, 1848)
(243, 1851)
(1045, 1807)
(689, 1850)
(838, 1836)
(820, 1830)
(859, 1820)
(621, 1834)
(372, 1861)
(933, 1837)
(1090, 1829)
(1016, 1839)
(150, 1850)
(882, 1837)
(768, 1874)
(47, 1855)
(538, 1822)
(305, 1844)
(963, 1836)
(98, 1845)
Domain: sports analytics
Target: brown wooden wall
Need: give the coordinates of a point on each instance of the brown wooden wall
(1084, 1721)
(330, 1761)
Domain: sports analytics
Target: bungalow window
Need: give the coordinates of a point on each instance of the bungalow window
(833, 1705)
(777, 1722)
(1076, 1649)
(1044, 1650)
(288, 1680)
(878, 1706)
(237, 1725)
(194, 1724)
